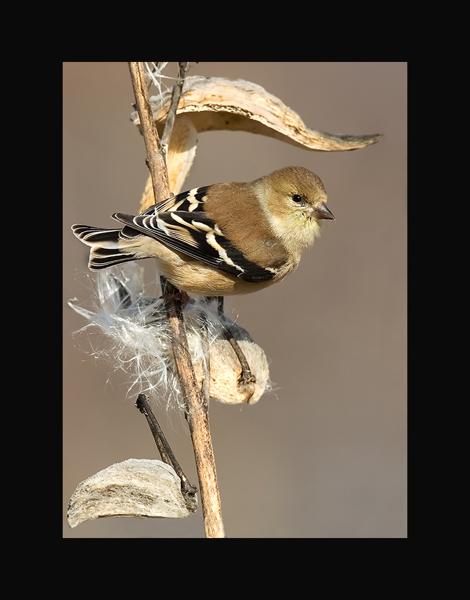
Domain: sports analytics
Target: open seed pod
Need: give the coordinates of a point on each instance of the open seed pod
(132, 488)
(217, 103)
(137, 338)
(225, 369)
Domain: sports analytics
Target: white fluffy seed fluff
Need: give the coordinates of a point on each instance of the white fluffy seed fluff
(137, 339)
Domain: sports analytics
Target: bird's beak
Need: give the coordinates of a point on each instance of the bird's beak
(322, 211)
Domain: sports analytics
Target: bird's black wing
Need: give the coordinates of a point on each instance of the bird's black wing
(192, 233)
(191, 200)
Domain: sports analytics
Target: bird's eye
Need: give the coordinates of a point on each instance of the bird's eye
(298, 198)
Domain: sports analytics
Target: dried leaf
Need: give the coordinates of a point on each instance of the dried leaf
(133, 488)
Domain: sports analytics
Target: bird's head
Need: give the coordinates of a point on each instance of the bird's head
(295, 199)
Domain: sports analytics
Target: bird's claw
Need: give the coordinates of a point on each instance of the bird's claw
(246, 383)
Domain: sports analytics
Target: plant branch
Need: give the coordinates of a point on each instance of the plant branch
(196, 415)
(155, 160)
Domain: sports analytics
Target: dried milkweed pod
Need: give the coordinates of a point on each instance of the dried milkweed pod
(132, 488)
(137, 341)
(217, 103)
(225, 369)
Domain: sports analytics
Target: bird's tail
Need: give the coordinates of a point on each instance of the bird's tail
(107, 247)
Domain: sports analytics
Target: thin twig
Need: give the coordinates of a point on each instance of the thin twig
(175, 98)
(246, 380)
(156, 69)
(196, 414)
(166, 452)
(157, 432)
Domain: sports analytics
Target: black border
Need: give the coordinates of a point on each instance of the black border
(53, 414)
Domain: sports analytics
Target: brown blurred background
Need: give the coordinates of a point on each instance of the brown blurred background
(325, 454)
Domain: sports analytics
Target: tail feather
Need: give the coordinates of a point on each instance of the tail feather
(106, 246)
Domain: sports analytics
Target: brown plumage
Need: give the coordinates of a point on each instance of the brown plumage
(228, 238)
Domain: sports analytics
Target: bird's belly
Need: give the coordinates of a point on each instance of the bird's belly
(195, 277)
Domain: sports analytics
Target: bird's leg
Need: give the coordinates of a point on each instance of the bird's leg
(166, 453)
(175, 294)
(246, 376)
(206, 362)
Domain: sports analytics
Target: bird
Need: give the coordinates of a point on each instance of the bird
(222, 239)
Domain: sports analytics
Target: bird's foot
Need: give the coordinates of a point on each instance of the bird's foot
(246, 377)
(246, 385)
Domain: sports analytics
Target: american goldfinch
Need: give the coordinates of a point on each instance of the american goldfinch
(222, 239)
